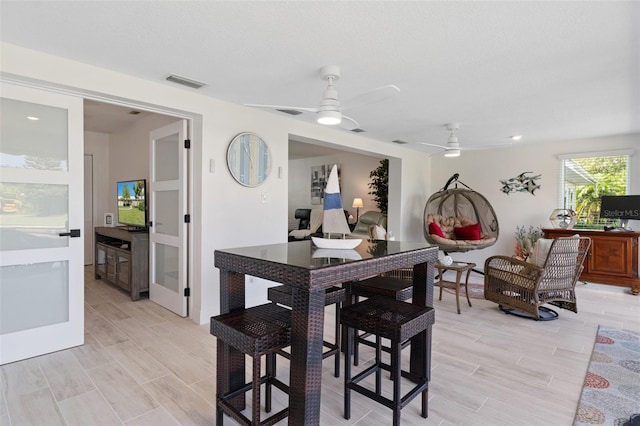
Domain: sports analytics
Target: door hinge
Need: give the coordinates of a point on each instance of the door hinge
(187, 292)
(187, 143)
(187, 218)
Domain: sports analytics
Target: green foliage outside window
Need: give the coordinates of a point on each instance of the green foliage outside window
(598, 176)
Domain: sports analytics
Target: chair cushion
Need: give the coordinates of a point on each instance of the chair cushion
(469, 232)
(435, 229)
(540, 251)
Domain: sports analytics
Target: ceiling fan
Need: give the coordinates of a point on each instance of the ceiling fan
(329, 112)
(453, 148)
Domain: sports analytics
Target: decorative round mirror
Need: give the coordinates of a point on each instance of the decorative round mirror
(249, 159)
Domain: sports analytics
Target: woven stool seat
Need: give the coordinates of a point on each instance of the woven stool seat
(283, 295)
(386, 286)
(394, 320)
(394, 288)
(256, 331)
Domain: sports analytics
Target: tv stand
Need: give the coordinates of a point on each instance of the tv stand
(122, 259)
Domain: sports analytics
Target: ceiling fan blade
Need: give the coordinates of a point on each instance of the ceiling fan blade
(432, 144)
(349, 123)
(284, 107)
(475, 148)
(372, 96)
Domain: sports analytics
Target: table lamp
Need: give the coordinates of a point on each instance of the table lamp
(357, 203)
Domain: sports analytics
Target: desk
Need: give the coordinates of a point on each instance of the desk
(294, 264)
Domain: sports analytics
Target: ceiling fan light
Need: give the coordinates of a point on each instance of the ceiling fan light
(329, 118)
(452, 153)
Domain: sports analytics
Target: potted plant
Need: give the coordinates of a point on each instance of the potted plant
(380, 185)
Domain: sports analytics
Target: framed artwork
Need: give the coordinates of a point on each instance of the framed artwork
(108, 219)
(319, 177)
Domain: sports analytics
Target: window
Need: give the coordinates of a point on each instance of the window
(585, 178)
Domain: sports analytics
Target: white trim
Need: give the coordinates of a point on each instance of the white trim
(614, 153)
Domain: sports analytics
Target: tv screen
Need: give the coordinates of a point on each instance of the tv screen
(620, 207)
(132, 206)
(623, 207)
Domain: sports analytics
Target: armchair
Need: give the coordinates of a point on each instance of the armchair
(521, 288)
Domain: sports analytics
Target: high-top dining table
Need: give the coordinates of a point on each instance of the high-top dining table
(309, 271)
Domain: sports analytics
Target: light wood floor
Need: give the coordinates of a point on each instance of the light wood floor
(142, 365)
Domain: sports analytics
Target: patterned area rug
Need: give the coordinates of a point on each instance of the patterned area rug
(476, 291)
(611, 391)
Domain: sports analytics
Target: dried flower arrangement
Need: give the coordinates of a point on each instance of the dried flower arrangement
(525, 240)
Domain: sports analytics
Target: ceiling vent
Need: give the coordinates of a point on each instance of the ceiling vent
(290, 111)
(358, 130)
(185, 81)
(400, 142)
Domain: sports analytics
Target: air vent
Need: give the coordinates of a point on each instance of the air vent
(185, 81)
(290, 111)
(400, 142)
(134, 112)
(358, 130)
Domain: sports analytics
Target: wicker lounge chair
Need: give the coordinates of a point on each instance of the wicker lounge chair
(521, 288)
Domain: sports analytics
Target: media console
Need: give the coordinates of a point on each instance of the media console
(612, 258)
(122, 259)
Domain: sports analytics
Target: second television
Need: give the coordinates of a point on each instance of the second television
(132, 204)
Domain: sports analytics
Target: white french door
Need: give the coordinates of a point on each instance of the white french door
(168, 230)
(41, 222)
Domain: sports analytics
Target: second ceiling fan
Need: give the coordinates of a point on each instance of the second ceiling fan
(329, 112)
(453, 148)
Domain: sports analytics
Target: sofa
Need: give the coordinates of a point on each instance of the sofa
(366, 221)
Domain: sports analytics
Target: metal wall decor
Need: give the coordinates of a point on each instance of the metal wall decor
(520, 183)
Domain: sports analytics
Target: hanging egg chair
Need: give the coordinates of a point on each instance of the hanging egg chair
(459, 219)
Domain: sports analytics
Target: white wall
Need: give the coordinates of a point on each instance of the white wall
(482, 170)
(97, 144)
(225, 213)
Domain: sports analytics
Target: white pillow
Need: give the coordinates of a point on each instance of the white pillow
(540, 251)
(377, 232)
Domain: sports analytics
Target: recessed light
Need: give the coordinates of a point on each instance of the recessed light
(32, 118)
(516, 137)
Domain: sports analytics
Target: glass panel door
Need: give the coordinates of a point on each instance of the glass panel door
(41, 189)
(167, 207)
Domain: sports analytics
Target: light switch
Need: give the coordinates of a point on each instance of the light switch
(264, 197)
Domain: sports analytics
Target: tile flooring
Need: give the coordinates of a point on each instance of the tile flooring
(142, 365)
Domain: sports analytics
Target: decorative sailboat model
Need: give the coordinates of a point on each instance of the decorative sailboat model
(333, 221)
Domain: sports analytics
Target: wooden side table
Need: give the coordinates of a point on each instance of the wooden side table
(459, 267)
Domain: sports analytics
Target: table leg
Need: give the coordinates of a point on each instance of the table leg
(420, 363)
(230, 361)
(307, 328)
(458, 276)
(466, 286)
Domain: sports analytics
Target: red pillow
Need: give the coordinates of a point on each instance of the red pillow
(435, 229)
(469, 232)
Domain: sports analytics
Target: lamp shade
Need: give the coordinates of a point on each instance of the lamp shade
(357, 203)
(329, 118)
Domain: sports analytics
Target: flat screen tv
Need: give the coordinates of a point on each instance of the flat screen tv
(132, 205)
(623, 207)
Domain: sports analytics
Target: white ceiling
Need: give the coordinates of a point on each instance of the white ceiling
(550, 70)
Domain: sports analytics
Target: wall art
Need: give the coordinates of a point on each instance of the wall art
(520, 183)
(319, 177)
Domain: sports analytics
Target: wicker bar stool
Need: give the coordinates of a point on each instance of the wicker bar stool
(283, 295)
(385, 286)
(256, 331)
(398, 322)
